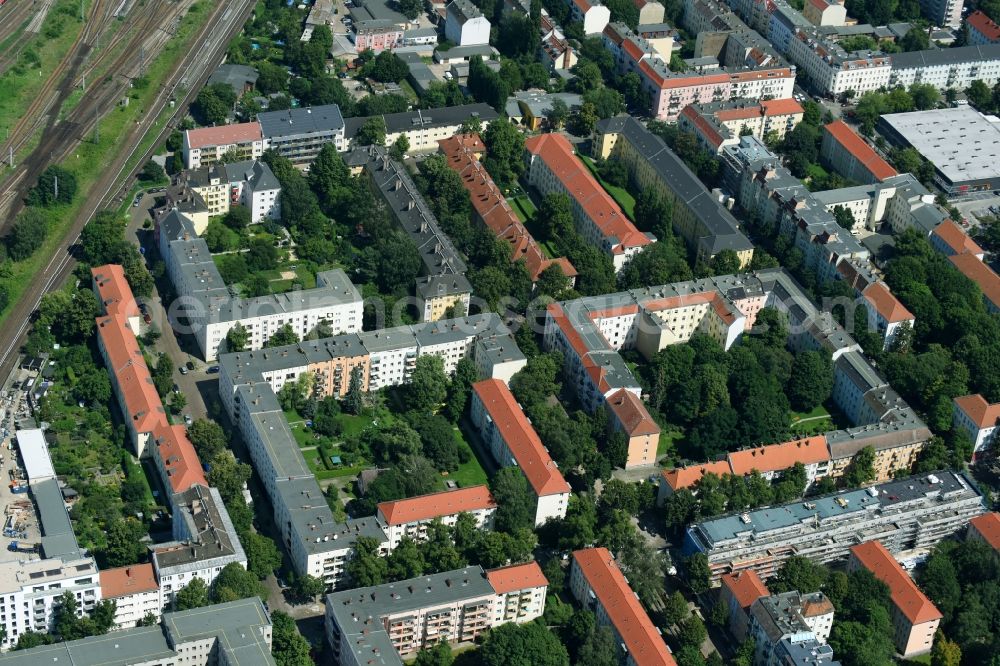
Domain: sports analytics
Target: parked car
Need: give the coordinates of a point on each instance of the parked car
(183, 370)
(212, 369)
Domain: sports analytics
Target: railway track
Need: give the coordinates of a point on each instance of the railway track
(207, 50)
(13, 15)
(144, 38)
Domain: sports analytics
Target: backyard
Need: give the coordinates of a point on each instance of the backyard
(619, 194)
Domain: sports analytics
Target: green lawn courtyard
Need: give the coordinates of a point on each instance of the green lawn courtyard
(619, 194)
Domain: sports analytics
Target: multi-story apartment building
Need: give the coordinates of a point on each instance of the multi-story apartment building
(384, 623)
(237, 633)
(512, 440)
(986, 528)
(947, 69)
(851, 157)
(135, 591)
(424, 128)
(492, 210)
(593, 15)
(915, 619)
(376, 35)
(598, 584)
(947, 13)
(209, 309)
(721, 124)
(825, 12)
(30, 590)
(250, 184)
(737, 595)
(976, 418)
(443, 287)
(629, 416)
(967, 257)
(785, 625)
(204, 541)
(410, 517)
(949, 239)
(833, 70)
(698, 217)
(982, 29)
(913, 512)
(465, 24)
(207, 145)
(552, 167)
(754, 74)
(299, 134)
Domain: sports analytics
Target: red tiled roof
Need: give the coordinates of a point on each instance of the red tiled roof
(176, 452)
(516, 577)
(224, 135)
(569, 331)
(521, 438)
(861, 151)
(688, 477)
(435, 505)
(981, 274)
(745, 586)
(906, 596)
(557, 153)
(493, 209)
(777, 457)
(984, 25)
(129, 367)
(713, 298)
(632, 414)
(886, 304)
(644, 643)
(955, 238)
(766, 108)
(113, 290)
(704, 127)
(982, 413)
(988, 527)
(124, 581)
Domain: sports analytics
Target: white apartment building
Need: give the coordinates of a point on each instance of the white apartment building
(886, 314)
(206, 145)
(383, 623)
(299, 134)
(250, 184)
(593, 15)
(30, 590)
(834, 71)
(512, 440)
(410, 517)
(135, 591)
(978, 419)
(953, 68)
(465, 24)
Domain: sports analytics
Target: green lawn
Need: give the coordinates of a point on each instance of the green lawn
(471, 473)
(619, 194)
(669, 440)
(525, 209)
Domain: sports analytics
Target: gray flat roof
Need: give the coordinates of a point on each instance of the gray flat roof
(832, 506)
(295, 122)
(119, 648)
(961, 143)
(931, 57)
(190, 625)
(58, 539)
(212, 535)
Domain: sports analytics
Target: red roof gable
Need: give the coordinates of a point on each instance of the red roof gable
(632, 414)
(778, 457)
(982, 413)
(906, 596)
(113, 290)
(984, 25)
(124, 581)
(886, 304)
(178, 457)
(435, 505)
(745, 586)
(861, 151)
(224, 135)
(516, 577)
(988, 527)
(955, 238)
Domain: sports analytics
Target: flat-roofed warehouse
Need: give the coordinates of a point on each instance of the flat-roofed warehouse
(961, 143)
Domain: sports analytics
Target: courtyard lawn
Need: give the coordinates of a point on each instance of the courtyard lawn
(619, 194)
(470, 473)
(813, 422)
(669, 441)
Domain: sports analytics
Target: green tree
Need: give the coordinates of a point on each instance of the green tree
(288, 646)
(557, 114)
(428, 386)
(237, 218)
(529, 644)
(124, 542)
(228, 475)
(234, 582)
(366, 567)
(979, 95)
(354, 399)
(151, 173)
(263, 556)
(515, 500)
(387, 66)
(33, 639)
(55, 185)
(208, 438)
(811, 382)
(861, 469)
(237, 338)
(698, 573)
(281, 337)
(798, 574)
(460, 388)
(437, 655)
(308, 587)
(399, 147)
(945, 652)
(28, 233)
(372, 132)
(676, 609)
(405, 561)
(192, 595)
(504, 153)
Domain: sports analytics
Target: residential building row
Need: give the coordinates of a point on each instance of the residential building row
(248, 382)
(510, 438)
(849, 155)
(384, 623)
(907, 513)
(299, 134)
(753, 74)
(208, 308)
(491, 209)
(599, 586)
(981, 29)
(699, 218)
(410, 517)
(553, 168)
(966, 256)
(236, 633)
(721, 124)
(442, 287)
